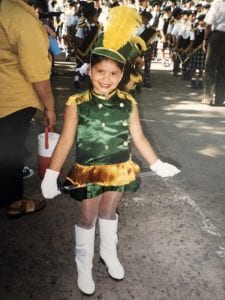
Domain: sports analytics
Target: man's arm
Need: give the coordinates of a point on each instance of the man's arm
(44, 92)
(208, 31)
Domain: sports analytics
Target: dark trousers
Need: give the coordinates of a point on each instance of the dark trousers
(176, 64)
(13, 133)
(215, 68)
(147, 60)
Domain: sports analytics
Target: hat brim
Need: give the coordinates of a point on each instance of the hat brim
(110, 53)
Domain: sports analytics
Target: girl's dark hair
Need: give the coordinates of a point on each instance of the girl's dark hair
(95, 59)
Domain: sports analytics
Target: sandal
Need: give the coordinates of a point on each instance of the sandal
(25, 206)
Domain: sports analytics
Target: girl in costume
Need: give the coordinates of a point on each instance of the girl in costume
(104, 120)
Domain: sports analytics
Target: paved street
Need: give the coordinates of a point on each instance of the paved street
(171, 231)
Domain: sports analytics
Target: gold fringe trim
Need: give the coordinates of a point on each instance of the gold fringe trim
(78, 98)
(125, 95)
(136, 78)
(105, 175)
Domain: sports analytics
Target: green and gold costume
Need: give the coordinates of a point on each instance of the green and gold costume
(103, 145)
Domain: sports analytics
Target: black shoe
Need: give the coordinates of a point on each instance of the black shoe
(147, 85)
(77, 84)
(193, 84)
(27, 172)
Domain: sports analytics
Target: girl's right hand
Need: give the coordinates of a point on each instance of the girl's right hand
(49, 185)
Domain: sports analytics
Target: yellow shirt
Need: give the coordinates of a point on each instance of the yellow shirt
(24, 57)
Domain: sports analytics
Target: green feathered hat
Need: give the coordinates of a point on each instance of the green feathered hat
(119, 41)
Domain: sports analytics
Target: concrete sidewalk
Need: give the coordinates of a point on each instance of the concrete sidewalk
(171, 232)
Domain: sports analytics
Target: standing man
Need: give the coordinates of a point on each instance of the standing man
(214, 44)
(25, 87)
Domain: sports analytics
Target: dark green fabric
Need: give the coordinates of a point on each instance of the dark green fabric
(93, 190)
(103, 135)
(102, 138)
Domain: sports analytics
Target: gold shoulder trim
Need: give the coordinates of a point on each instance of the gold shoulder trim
(78, 98)
(124, 95)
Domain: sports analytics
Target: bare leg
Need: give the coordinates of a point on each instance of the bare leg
(108, 204)
(88, 212)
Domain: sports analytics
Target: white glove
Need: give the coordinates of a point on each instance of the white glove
(83, 69)
(164, 169)
(49, 185)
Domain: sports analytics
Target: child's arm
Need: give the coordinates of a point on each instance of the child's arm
(49, 185)
(162, 169)
(139, 139)
(66, 139)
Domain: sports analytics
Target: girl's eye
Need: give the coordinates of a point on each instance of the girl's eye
(113, 73)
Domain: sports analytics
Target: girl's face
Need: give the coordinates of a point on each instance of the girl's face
(105, 76)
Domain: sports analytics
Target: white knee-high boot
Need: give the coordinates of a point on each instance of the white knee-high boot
(84, 255)
(108, 247)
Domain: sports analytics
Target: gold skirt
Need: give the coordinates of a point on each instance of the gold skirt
(104, 175)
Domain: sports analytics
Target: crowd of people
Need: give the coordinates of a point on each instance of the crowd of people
(173, 33)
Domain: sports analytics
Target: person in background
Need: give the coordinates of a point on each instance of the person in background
(85, 38)
(143, 5)
(173, 31)
(148, 34)
(69, 28)
(198, 8)
(164, 21)
(25, 87)
(205, 8)
(154, 22)
(197, 54)
(214, 45)
(183, 43)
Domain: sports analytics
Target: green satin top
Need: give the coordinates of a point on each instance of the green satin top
(103, 135)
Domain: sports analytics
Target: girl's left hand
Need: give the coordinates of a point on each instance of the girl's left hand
(164, 169)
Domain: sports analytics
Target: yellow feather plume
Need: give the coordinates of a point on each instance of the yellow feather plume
(139, 41)
(122, 24)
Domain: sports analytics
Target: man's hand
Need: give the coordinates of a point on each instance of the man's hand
(50, 118)
(44, 92)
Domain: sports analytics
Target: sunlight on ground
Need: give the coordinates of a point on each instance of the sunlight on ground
(193, 106)
(211, 151)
